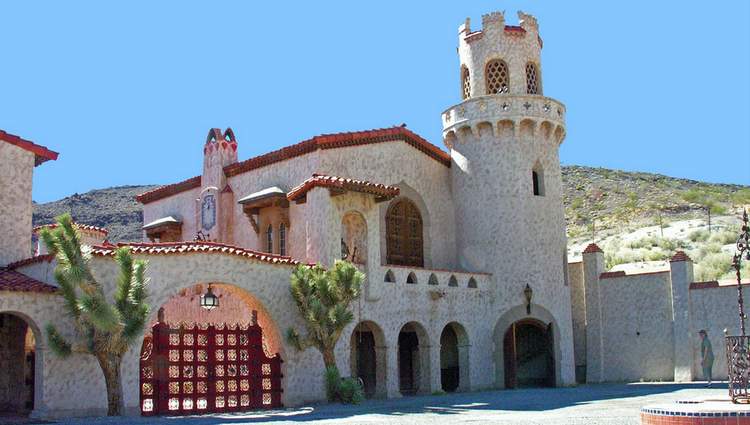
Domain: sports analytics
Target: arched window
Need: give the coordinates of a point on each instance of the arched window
(453, 281)
(532, 79)
(282, 239)
(403, 226)
(389, 277)
(412, 278)
(537, 180)
(472, 283)
(497, 77)
(465, 83)
(433, 280)
(269, 239)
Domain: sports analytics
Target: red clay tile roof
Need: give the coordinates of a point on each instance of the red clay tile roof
(31, 260)
(324, 141)
(176, 248)
(11, 280)
(41, 153)
(169, 190)
(322, 180)
(679, 256)
(592, 248)
(80, 226)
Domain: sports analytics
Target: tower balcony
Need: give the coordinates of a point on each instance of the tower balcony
(544, 112)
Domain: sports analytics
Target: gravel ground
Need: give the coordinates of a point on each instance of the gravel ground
(611, 404)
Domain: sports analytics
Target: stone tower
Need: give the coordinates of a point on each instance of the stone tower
(215, 204)
(504, 139)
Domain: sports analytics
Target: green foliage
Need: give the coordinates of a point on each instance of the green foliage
(667, 244)
(322, 298)
(104, 329)
(713, 267)
(351, 391)
(724, 237)
(741, 197)
(346, 390)
(699, 235)
(577, 203)
(333, 382)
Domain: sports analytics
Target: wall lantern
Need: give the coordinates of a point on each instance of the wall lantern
(209, 301)
(528, 293)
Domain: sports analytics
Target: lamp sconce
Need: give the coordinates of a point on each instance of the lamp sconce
(528, 293)
(209, 301)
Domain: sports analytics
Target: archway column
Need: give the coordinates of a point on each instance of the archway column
(435, 380)
(392, 382)
(464, 370)
(40, 408)
(382, 367)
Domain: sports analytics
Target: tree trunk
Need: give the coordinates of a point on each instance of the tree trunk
(329, 359)
(110, 364)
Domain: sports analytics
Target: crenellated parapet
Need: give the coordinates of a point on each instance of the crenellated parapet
(503, 113)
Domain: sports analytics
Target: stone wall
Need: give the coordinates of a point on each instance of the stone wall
(16, 172)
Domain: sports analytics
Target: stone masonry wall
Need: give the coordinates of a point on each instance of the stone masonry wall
(16, 172)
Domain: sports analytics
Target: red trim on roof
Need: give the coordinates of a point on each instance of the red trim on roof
(679, 256)
(323, 141)
(31, 260)
(322, 180)
(11, 280)
(165, 248)
(715, 284)
(41, 153)
(609, 275)
(169, 190)
(80, 226)
(592, 248)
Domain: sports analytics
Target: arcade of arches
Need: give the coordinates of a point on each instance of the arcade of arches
(17, 364)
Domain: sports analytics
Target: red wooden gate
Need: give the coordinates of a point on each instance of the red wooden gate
(207, 369)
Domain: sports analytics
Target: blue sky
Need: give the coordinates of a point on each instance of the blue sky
(127, 91)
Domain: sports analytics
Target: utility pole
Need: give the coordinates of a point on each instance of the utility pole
(708, 208)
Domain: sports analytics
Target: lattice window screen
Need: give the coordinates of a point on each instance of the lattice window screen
(532, 79)
(497, 76)
(465, 83)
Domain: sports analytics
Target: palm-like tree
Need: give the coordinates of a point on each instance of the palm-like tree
(104, 329)
(323, 298)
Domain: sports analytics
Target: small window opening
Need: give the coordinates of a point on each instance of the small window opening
(389, 277)
(412, 278)
(433, 280)
(269, 239)
(282, 239)
(472, 283)
(453, 281)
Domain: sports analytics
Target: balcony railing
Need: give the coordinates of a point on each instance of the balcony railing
(492, 108)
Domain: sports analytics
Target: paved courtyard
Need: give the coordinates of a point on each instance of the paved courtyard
(613, 404)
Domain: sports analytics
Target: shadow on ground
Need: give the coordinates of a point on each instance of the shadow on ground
(522, 400)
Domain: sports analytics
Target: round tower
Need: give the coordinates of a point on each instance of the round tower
(504, 139)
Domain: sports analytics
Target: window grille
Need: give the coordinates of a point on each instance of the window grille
(282, 239)
(497, 76)
(532, 79)
(269, 239)
(465, 83)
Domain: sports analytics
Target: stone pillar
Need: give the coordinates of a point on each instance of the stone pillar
(435, 380)
(681, 275)
(392, 371)
(464, 371)
(322, 244)
(593, 266)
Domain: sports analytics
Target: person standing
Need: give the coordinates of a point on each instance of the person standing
(707, 356)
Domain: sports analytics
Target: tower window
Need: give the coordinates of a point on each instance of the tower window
(465, 83)
(497, 77)
(537, 180)
(282, 239)
(269, 239)
(532, 79)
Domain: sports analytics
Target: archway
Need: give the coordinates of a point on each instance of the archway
(368, 358)
(454, 358)
(197, 361)
(528, 347)
(413, 359)
(18, 363)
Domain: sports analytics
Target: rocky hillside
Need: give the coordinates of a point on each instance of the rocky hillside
(114, 208)
(617, 201)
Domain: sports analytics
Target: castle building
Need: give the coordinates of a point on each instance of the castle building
(467, 283)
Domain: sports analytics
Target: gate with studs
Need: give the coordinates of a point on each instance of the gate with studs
(196, 369)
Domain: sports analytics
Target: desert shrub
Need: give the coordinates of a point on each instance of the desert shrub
(745, 272)
(699, 236)
(333, 382)
(695, 196)
(724, 237)
(577, 203)
(350, 391)
(649, 242)
(741, 196)
(713, 267)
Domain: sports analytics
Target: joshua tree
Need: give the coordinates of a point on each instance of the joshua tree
(104, 329)
(323, 298)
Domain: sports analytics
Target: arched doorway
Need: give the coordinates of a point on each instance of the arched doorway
(197, 361)
(368, 358)
(413, 359)
(17, 365)
(528, 348)
(454, 358)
